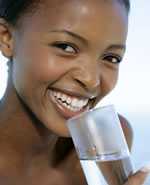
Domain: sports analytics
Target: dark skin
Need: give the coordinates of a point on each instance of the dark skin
(35, 147)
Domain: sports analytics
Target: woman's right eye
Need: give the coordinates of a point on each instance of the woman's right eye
(66, 47)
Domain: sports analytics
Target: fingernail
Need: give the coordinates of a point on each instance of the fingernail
(146, 169)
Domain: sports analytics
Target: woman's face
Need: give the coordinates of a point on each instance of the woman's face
(65, 57)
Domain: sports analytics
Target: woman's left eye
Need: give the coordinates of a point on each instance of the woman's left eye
(113, 58)
(66, 47)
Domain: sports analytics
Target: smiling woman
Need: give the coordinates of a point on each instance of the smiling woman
(76, 62)
(62, 61)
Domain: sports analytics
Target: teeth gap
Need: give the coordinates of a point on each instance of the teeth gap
(69, 106)
(66, 104)
(63, 101)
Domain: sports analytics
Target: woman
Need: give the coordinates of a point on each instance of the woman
(64, 58)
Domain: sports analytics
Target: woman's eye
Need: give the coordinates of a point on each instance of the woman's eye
(66, 47)
(113, 58)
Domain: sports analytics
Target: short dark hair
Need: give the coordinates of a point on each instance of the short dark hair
(126, 4)
(11, 10)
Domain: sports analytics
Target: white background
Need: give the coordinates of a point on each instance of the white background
(131, 96)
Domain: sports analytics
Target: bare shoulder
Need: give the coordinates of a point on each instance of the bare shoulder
(127, 129)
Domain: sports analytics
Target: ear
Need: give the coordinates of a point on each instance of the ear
(6, 40)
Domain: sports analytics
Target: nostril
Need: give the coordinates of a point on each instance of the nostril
(87, 84)
(88, 77)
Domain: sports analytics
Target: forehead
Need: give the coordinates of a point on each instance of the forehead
(86, 17)
(60, 8)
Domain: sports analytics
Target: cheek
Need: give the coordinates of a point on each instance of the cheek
(33, 60)
(108, 81)
(33, 71)
(36, 64)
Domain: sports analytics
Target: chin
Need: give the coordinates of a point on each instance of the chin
(59, 129)
(63, 133)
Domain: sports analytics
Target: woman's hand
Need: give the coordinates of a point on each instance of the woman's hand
(139, 177)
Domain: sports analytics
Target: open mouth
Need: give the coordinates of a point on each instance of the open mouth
(68, 106)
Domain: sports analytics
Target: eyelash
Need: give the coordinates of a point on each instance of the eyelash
(110, 56)
(107, 57)
(63, 46)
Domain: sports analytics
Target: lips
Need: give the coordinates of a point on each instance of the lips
(67, 105)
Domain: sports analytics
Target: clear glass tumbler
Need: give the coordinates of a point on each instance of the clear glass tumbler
(101, 146)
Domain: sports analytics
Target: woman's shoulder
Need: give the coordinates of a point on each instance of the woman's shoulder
(127, 129)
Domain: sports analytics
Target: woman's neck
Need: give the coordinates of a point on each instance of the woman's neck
(28, 133)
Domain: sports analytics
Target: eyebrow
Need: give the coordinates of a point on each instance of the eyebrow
(76, 36)
(116, 46)
(85, 42)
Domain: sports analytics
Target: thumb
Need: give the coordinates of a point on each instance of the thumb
(139, 177)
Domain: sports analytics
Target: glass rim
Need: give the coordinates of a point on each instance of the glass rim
(91, 110)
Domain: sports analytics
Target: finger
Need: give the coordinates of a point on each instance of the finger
(139, 177)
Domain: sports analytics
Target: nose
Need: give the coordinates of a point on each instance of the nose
(88, 76)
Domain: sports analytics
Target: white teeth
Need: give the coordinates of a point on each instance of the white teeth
(83, 102)
(72, 108)
(63, 97)
(73, 104)
(69, 106)
(69, 100)
(80, 103)
(58, 95)
(86, 101)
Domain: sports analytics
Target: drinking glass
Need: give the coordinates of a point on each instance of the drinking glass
(101, 146)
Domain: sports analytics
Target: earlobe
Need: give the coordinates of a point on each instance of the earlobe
(6, 40)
